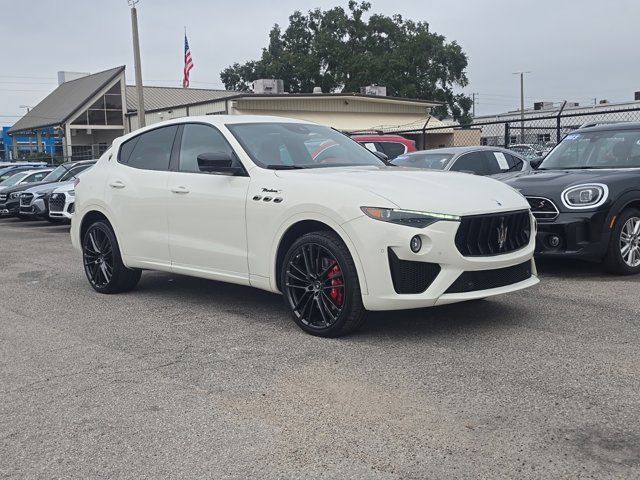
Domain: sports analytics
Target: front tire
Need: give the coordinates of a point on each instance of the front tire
(623, 255)
(320, 285)
(102, 261)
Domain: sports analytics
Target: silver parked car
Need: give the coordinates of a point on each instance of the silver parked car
(477, 160)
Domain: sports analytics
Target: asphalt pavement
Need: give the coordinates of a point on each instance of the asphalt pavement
(190, 378)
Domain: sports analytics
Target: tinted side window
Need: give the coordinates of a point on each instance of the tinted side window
(475, 162)
(392, 149)
(197, 139)
(152, 150)
(515, 164)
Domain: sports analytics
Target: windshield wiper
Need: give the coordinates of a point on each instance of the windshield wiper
(285, 167)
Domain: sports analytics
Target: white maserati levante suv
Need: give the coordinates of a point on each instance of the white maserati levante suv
(264, 201)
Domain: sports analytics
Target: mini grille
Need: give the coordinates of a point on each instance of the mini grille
(25, 199)
(411, 277)
(543, 208)
(56, 202)
(495, 234)
(487, 279)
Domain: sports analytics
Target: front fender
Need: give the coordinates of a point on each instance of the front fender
(330, 222)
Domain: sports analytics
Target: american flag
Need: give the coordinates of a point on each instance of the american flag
(188, 63)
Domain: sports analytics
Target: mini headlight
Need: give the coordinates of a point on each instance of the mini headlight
(409, 218)
(585, 196)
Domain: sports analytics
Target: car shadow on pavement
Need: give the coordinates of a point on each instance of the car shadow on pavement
(251, 302)
(570, 268)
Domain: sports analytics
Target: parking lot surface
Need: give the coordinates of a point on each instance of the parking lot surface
(189, 378)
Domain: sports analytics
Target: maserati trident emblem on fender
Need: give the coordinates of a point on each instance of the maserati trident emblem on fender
(502, 234)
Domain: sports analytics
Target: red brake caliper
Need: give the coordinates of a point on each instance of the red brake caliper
(336, 294)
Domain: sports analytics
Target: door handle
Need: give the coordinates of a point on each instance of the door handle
(181, 190)
(117, 184)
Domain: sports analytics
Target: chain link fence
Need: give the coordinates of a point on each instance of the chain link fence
(542, 132)
(53, 155)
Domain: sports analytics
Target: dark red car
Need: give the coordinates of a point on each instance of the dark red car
(390, 145)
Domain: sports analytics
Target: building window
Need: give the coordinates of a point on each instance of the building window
(513, 139)
(107, 110)
(544, 137)
(484, 141)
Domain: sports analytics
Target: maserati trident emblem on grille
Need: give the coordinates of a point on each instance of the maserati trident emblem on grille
(502, 234)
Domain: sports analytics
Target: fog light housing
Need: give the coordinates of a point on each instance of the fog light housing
(554, 241)
(415, 244)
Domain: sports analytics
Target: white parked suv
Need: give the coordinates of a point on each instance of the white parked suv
(62, 202)
(254, 200)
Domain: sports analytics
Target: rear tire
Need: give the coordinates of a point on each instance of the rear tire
(320, 285)
(102, 261)
(623, 255)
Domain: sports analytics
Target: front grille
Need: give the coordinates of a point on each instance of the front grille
(543, 208)
(56, 202)
(25, 199)
(488, 279)
(411, 277)
(494, 234)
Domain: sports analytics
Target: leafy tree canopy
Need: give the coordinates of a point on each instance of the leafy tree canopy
(340, 50)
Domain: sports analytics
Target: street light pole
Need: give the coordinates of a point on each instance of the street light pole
(521, 104)
(138, 66)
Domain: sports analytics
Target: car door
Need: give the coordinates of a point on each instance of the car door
(137, 195)
(206, 211)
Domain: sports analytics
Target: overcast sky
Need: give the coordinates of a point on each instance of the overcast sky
(576, 49)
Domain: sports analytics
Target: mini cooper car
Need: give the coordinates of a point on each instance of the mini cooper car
(586, 197)
(243, 199)
(477, 160)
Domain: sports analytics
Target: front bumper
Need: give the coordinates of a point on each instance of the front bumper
(37, 208)
(582, 235)
(63, 211)
(374, 240)
(9, 208)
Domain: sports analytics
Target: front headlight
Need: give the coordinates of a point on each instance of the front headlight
(15, 195)
(410, 218)
(71, 193)
(589, 195)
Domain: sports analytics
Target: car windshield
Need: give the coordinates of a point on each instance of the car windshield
(13, 180)
(435, 161)
(73, 172)
(602, 149)
(56, 174)
(297, 145)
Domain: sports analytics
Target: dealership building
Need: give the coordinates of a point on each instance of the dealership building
(88, 111)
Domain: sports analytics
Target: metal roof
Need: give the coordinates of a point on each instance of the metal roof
(160, 98)
(64, 101)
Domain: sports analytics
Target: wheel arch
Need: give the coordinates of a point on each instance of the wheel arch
(92, 215)
(628, 200)
(300, 225)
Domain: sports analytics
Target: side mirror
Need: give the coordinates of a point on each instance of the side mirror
(217, 162)
(535, 163)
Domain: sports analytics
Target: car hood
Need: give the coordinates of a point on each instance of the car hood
(24, 187)
(44, 187)
(417, 189)
(549, 182)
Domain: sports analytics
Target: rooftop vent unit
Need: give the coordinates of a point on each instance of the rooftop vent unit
(636, 96)
(268, 85)
(317, 90)
(542, 105)
(377, 90)
(572, 104)
(68, 76)
(603, 102)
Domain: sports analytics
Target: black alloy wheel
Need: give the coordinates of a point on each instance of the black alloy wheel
(102, 261)
(320, 285)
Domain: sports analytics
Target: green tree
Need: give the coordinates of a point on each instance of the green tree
(340, 51)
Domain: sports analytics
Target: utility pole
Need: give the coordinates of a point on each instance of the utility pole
(521, 104)
(138, 66)
(473, 104)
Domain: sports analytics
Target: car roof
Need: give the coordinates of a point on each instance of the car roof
(609, 127)
(459, 150)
